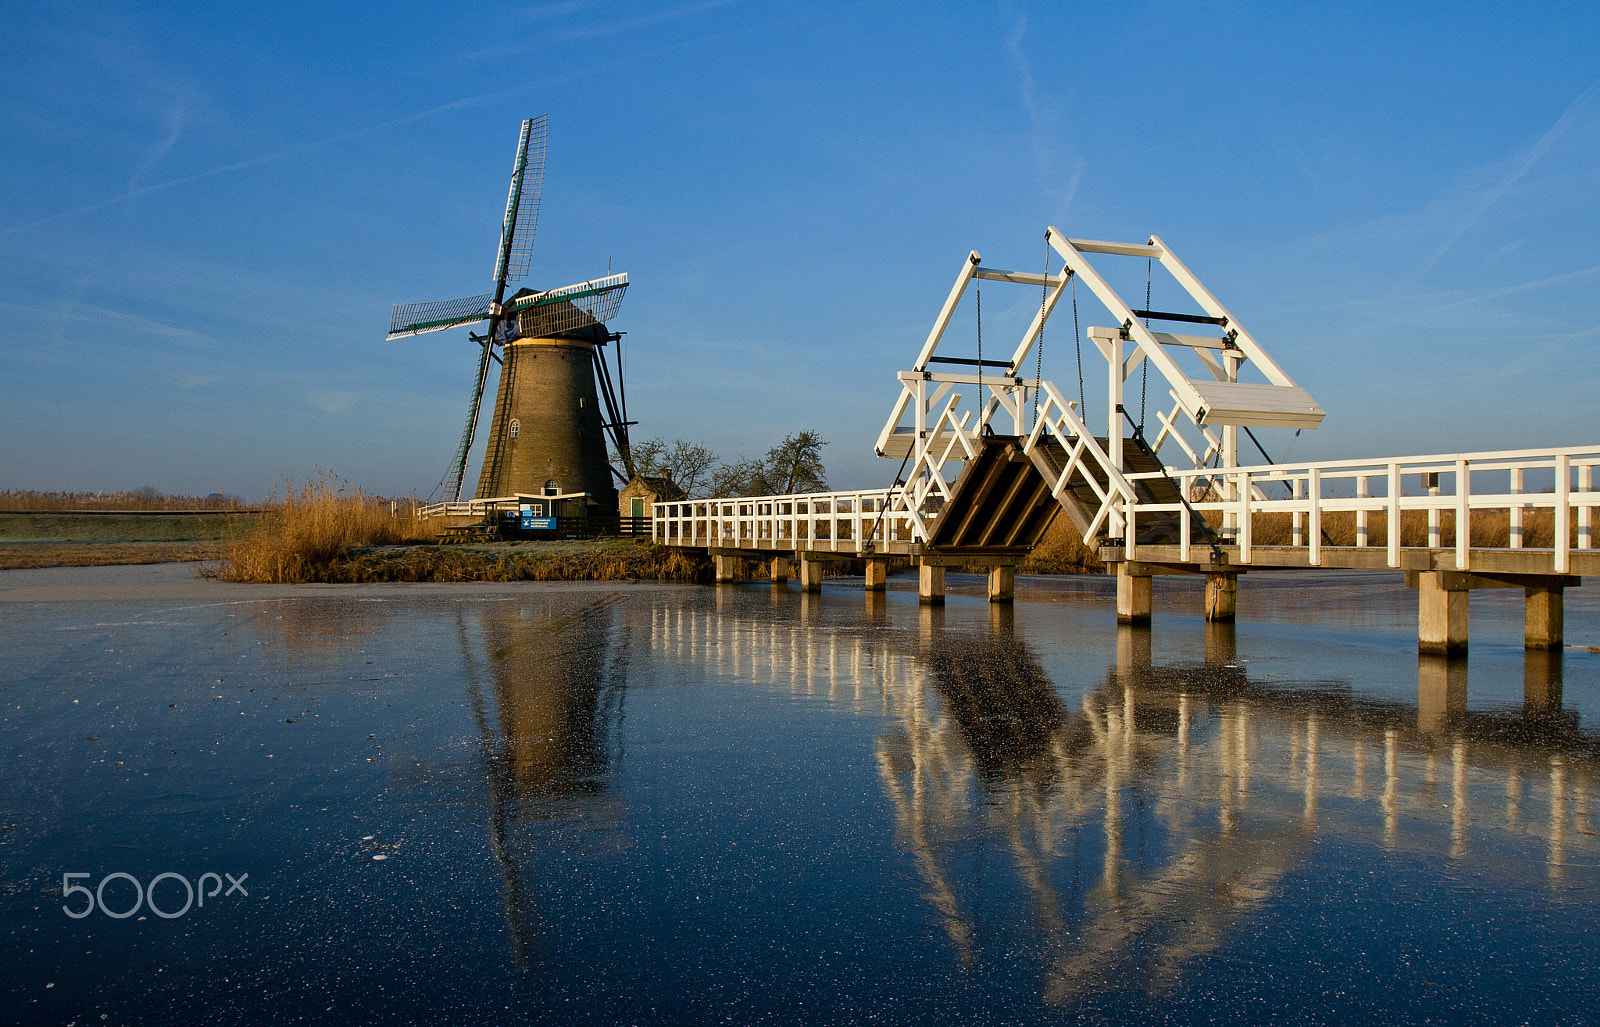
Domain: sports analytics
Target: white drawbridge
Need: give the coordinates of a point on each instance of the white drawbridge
(989, 456)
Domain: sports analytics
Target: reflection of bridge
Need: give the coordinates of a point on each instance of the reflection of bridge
(1144, 827)
(986, 478)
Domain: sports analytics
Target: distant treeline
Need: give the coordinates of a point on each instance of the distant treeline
(138, 499)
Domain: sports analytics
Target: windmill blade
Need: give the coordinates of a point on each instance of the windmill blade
(568, 308)
(420, 318)
(522, 204)
(458, 466)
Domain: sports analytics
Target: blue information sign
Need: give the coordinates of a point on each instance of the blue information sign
(532, 523)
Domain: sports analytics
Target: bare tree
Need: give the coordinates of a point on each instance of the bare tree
(744, 477)
(793, 465)
(691, 466)
(648, 456)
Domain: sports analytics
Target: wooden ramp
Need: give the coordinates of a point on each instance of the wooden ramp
(999, 506)
(1001, 503)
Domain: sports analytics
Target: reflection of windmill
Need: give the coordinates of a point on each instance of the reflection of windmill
(547, 684)
(548, 431)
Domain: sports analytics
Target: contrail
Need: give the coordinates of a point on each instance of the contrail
(1490, 198)
(265, 158)
(470, 101)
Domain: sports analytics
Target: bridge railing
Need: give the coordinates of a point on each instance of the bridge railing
(1372, 497)
(834, 521)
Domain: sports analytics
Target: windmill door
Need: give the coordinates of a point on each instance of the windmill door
(638, 507)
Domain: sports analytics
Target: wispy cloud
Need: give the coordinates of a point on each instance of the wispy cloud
(125, 323)
(479, 100)
(1494, 194)
(1046, 164)
(175, 124)
(332, 401)
(545, 40)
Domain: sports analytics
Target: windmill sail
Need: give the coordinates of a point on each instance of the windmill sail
(569, 307)
(522, 204)
(458, 466)
(420, 318)
(514, 248)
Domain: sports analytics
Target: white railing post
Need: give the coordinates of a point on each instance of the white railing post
(1463, 516)
(1563, 543)
(1244, 533)
(1516, 509)
(1586, 512)
(1432, 478)
(1185, 519)
(1394, 514)
(1297, 517)
(1314, 521)
(1361, 515)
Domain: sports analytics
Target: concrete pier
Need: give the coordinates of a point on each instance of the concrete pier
(1441, 614)
(930, 584)
(1544, 616)
(1002, 583)
(1133, 596)
(1222, 596)
(728, 568)
(810, 573)
(877, 574)
(780, 570)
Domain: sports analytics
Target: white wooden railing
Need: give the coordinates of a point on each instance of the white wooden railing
(834, 521)
(474, 508)
(1515, 482)
(1462, 483)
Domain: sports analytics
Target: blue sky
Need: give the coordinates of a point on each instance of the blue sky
(206, 212)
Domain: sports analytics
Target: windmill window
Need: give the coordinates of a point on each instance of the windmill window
(515, 427)
(551, 488)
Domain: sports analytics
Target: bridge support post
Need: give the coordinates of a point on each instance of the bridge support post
(877, 574)
(728, 568)
(1544, 610)
(1133, 596)
(810, 573)
(1441, 614)
(780, 570)
(1222, 596)
(930, 584)
(1002, 583)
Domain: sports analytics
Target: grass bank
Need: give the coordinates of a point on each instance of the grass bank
(330, 531)
(605, 559)
(46, 539)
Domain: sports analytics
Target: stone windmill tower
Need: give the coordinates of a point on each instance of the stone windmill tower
(558, 399)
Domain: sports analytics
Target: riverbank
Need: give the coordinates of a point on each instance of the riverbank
(601, 559)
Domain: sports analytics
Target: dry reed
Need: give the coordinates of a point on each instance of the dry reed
(1062, 551)
(1488, 529)
(320, 522)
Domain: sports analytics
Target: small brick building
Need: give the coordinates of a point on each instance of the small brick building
(636, 497)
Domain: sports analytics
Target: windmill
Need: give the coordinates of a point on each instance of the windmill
(548, 433)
